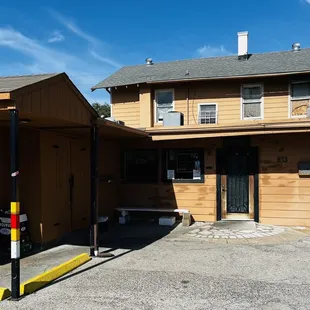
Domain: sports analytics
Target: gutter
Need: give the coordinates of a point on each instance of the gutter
(247, 127)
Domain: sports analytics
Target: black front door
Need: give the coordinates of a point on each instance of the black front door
(237, 188)
(237, 182)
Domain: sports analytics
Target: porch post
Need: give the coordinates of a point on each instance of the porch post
(94, 244)
(15, 210)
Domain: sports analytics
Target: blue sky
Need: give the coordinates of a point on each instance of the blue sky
(92, 39)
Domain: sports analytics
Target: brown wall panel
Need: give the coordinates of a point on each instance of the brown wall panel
(30, 181)
(53, 99)
(5, 179)
(109, 177)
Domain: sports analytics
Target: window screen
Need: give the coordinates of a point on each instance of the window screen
(164, 103)
(207, 114)
(252, 100)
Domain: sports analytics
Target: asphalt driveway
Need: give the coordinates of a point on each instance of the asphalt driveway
(177, 272)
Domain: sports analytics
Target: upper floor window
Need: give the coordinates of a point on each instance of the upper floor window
(252, 102)
(164, 103)
(300, 98)
(207, 113)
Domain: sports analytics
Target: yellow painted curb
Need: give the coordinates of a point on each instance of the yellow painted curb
(4, 293)
(43, 279)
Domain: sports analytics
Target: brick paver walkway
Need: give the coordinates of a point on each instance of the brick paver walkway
(207, 230)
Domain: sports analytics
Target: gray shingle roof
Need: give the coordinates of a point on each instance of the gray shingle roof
(10, 83)
(208, 68)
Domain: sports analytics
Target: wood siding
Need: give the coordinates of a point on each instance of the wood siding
(199, 198)
(5, 185)
(53, 99)
(227, 96)
(125, 105)
(109, 177)
(284, 196)
(62, 157)
(187, 97)
(30, 181)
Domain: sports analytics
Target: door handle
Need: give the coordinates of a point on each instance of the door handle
(223, 188)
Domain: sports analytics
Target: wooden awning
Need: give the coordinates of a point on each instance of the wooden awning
(112, 130)
(216, 130)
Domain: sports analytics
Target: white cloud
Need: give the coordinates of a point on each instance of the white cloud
(39, 58)
(104, 59)
(70, 25)
(92, 41)
(212, 51)
(307, 1)
(57, 36)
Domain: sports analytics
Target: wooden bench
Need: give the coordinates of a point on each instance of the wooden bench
(186, 219)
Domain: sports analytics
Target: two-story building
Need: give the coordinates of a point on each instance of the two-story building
(228, 136)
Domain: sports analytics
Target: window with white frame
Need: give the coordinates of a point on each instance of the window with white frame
(252, 100)
(207, 113)
(300, 98)
(164, 103)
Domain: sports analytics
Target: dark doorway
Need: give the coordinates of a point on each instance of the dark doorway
(237, 183)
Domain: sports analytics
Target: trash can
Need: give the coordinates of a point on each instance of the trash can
(5, 233)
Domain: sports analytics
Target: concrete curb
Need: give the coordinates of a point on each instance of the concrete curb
(45, 278)
(4, 293)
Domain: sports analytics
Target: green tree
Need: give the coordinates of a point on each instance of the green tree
(104, 110)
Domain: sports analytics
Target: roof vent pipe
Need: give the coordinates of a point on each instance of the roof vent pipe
(296, 47)
(149, 61)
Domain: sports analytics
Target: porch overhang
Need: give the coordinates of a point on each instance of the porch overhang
(211, 131)
(112, 130)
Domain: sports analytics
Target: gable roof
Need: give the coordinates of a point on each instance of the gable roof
(11, 83)
(287, 62)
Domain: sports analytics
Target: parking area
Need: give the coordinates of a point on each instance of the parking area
(178, 270)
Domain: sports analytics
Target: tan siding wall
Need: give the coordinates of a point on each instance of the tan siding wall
(125, 105)
(226, 93)
(284, 195)
(227, 96)
(53, 99)
(200, 199)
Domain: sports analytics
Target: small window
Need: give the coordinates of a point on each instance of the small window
(252, 102)
(140, 166)
(183, 165)
(300, 98)
(207, 113)
(164, 103)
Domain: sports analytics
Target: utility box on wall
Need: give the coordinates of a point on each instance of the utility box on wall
(173, 118)
(304, 169)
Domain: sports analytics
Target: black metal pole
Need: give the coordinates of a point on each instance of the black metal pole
(15, 229)
(94, 246)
